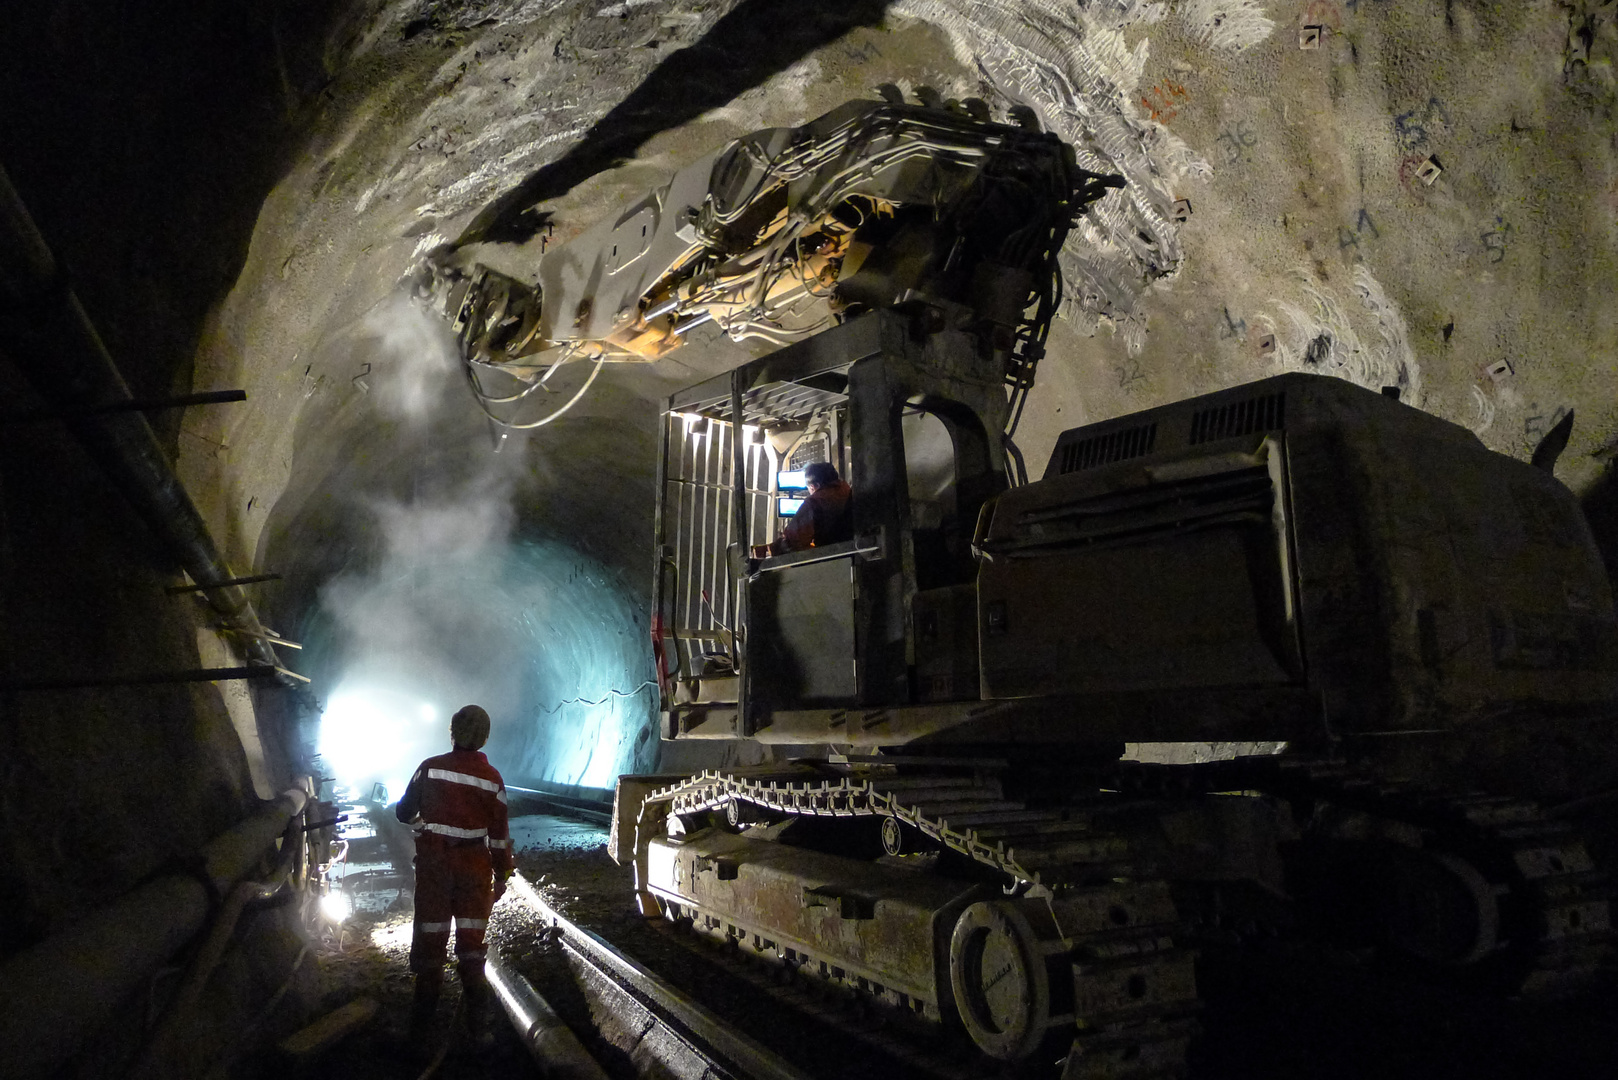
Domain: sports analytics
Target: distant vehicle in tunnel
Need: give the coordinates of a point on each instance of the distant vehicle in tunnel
(1296, 564)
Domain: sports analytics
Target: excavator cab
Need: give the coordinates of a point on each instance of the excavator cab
(910, 414)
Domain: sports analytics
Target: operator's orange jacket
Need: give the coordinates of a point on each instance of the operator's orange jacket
(826, 517)
(460, 797)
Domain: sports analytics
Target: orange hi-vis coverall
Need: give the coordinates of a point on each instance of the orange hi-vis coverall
(456, 803)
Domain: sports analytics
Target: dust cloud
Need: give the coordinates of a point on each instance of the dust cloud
(419, 354)
(451, 603)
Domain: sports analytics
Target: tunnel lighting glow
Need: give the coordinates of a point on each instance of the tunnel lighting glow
(334, 906)
(390, 936)
(696, 425)
(370, 735)
(540, 634)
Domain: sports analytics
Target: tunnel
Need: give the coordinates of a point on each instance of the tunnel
(221, 616)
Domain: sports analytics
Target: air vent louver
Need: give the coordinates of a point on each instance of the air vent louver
(1266, 413)
(1105, 449)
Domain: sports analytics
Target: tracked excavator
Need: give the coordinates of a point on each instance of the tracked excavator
(942, 824)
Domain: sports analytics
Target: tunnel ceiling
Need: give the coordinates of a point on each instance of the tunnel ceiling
(1421, 195)
(1311, 243)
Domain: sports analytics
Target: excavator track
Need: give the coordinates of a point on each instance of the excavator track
(1547, 927)
(1544, 928)
(1126, 997)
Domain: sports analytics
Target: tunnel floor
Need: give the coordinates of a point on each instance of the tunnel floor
(1269, 1013)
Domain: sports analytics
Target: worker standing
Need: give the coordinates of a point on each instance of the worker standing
(456, 803)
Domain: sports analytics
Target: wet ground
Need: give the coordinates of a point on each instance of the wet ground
(366, 954)
(1270, 1013)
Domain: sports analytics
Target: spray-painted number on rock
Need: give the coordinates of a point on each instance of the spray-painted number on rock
(863, 52)
(1537, 424)
(1237, 139)
(1495, 240)
(1350, 237)
(1232, 328)
(1419, 126)
(1129, 375)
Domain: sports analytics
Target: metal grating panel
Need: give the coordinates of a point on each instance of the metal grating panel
(699, 526)
(1105, 449)
(810, 451)
(1267, 413)
(772, 403)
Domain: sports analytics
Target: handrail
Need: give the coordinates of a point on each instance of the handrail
(847, 548)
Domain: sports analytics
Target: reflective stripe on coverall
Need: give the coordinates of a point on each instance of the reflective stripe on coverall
(462, 842)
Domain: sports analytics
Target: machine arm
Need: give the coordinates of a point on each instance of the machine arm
(785, 232)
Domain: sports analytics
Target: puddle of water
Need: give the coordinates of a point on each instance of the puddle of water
(372, 876)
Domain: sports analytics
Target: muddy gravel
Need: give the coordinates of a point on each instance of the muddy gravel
(1269, 1012)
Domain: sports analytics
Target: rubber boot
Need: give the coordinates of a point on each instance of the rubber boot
(476, 995)
(424, 1009)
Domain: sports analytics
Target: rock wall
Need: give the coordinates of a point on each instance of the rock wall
(1418, 195)
(143, 139)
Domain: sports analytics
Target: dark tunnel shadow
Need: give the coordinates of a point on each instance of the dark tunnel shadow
(754, 41)
(1601, 511)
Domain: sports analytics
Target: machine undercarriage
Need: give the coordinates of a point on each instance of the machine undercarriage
(1067, 929)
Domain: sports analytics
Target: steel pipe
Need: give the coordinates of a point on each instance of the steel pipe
(55, 994)
(177, 401)
(654, 1003)
(58, 350)
(657, 311)
(170, 1029)
(554, 1047)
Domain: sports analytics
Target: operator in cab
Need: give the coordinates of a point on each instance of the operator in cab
(826, 516)
(456, 804)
